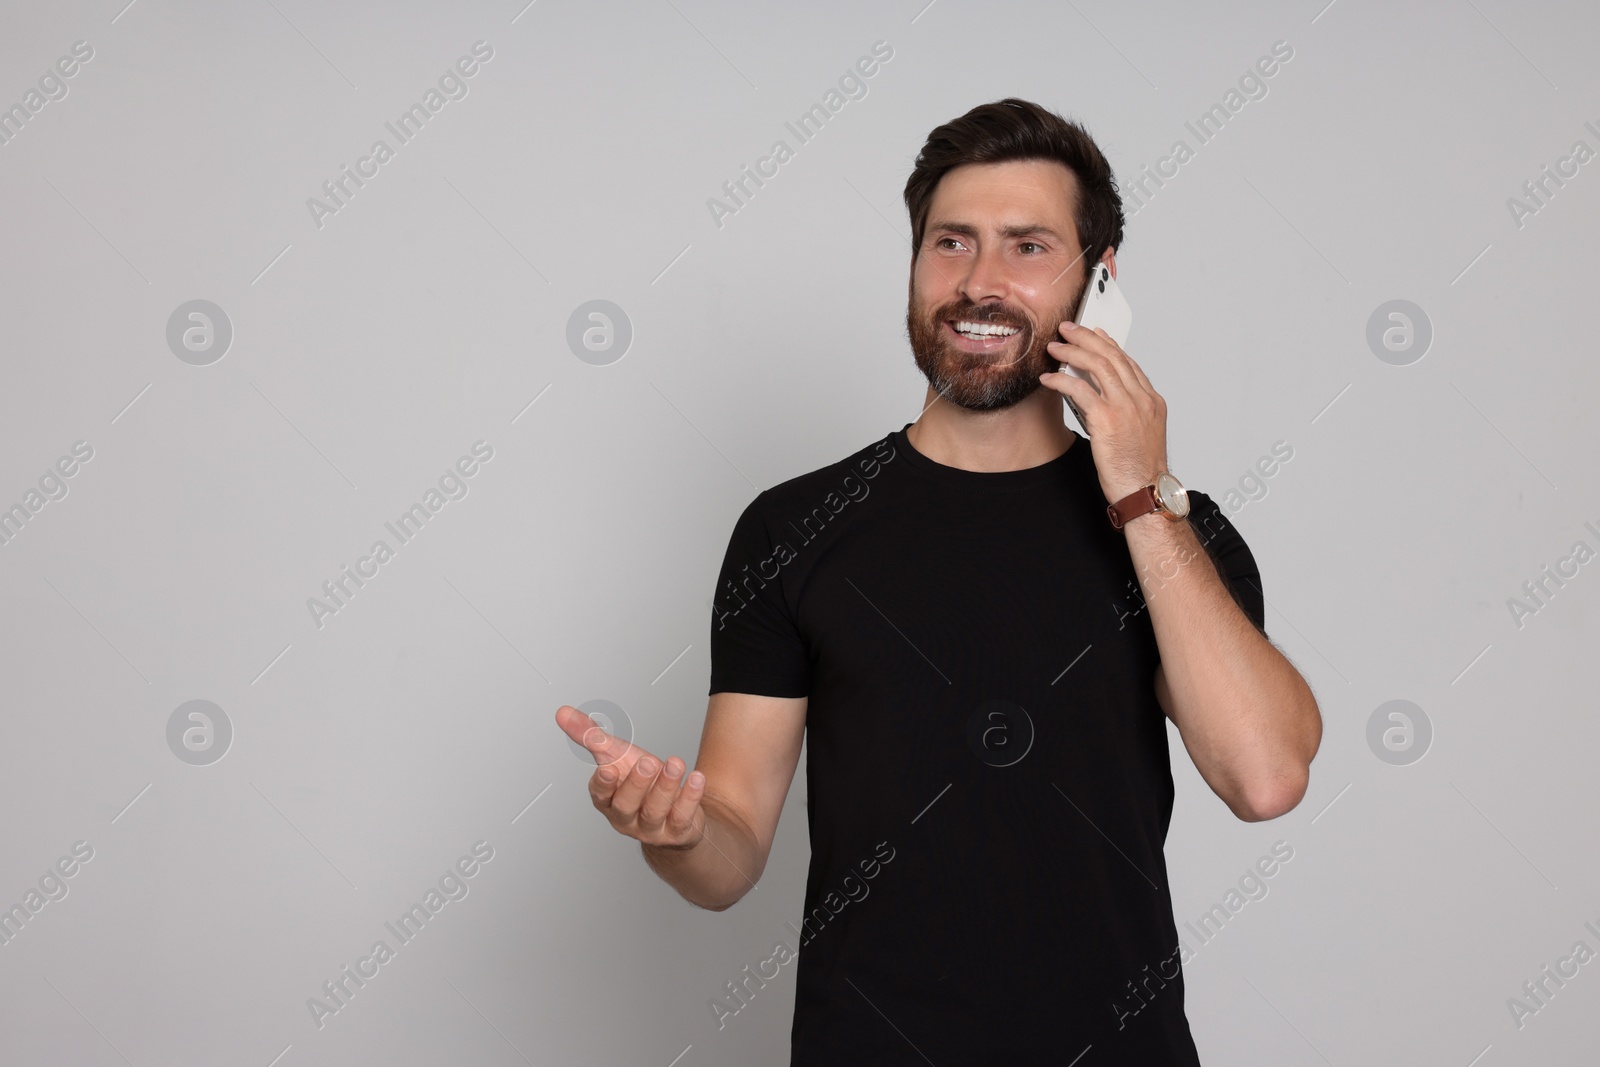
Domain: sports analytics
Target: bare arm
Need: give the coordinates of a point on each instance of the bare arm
(1247, 717)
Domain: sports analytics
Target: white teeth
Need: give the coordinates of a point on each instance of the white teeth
(984, 329)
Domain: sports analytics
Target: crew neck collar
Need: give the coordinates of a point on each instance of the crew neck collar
(956, 477)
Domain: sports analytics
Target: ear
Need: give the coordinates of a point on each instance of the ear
(1110, 260)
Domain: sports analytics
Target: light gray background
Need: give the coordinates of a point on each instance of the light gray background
(431, 312)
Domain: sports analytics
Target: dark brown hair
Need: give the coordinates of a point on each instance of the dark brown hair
(1012, 129)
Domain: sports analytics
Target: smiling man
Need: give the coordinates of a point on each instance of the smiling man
(944, 619)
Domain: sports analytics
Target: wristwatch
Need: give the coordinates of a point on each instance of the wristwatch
(1166, 495)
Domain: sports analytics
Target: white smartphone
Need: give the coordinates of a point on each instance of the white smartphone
(1103, 306)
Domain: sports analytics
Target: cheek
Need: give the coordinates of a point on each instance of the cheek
(928, 287)
(1045, 303)
(1049, 320)
(930, 294)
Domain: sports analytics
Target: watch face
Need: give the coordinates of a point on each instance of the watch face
(1173, 496)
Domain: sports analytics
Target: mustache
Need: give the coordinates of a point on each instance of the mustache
(988, 314)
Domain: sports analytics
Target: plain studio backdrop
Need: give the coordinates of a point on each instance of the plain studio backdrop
(230, 368)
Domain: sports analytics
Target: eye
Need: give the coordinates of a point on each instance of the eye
(941, 242)
(1033, 244)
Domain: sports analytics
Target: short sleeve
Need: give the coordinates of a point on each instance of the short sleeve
(756, 647)
(1226, 547)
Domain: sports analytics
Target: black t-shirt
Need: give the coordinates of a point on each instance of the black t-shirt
(987, 779)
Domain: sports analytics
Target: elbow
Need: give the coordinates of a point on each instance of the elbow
(710, 903)
(1279, 789)
(1275, 796)
(715, 900)
(721, 897)
(1266, 809)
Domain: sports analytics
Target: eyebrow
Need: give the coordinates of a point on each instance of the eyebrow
(1030, 229)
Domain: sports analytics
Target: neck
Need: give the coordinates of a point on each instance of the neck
(1028, 434)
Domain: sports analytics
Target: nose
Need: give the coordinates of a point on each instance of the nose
(986, 277)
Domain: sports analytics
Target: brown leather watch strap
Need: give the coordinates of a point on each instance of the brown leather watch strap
(1141, 501)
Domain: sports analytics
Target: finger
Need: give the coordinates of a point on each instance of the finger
(1138, 372)
(1073, 365)
(681, 818)
(603, 785)
(632, 788)
(604, 747)
(1132, 380)
(658, 801)
(1076, 392)
(1092, 365)
(1138, 384)
(1104, 357)
(573, 722)
(578, 726)
(1072, 387)
(1103, 363)
(609, 777)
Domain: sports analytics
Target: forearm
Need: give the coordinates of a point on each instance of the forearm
(719, 868)
(1248, 718)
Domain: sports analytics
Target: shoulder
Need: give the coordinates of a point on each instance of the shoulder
(843, 480)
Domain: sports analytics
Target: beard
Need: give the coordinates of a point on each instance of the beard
(984, 381)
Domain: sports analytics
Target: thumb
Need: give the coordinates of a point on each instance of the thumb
(605, 748)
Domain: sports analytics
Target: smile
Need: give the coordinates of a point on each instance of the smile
(979, 331)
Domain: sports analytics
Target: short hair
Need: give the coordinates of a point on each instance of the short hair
(1013, 129)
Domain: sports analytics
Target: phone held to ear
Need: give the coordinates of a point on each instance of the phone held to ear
(1105, 307)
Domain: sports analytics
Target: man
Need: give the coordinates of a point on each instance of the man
(981, 659)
